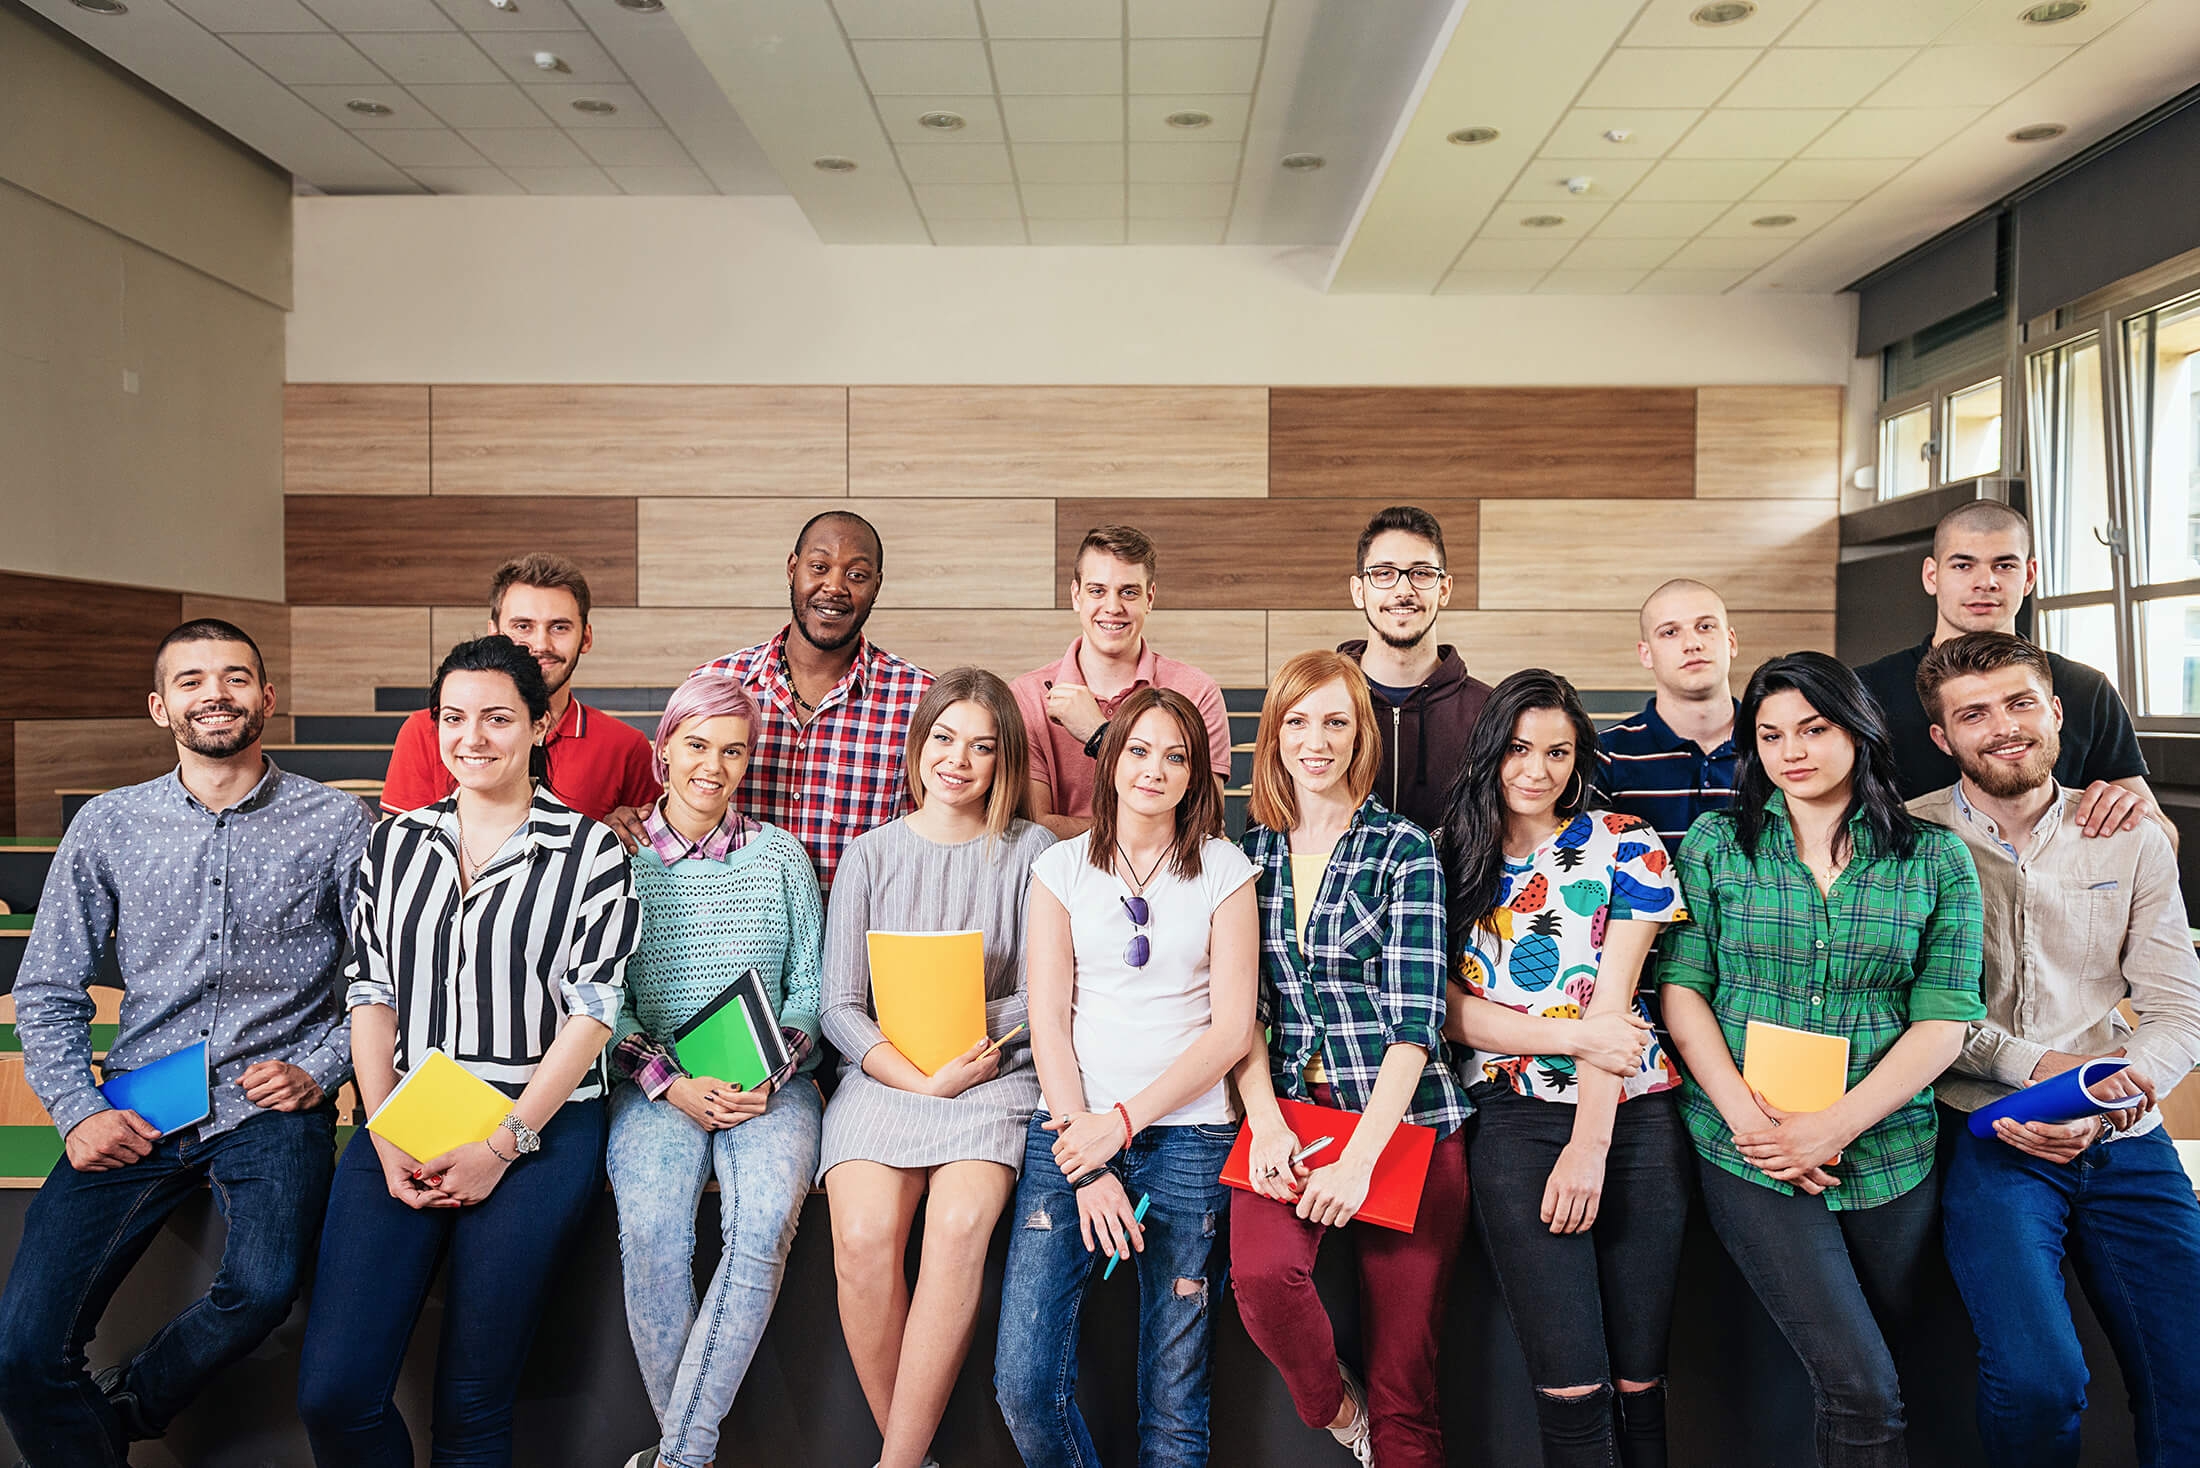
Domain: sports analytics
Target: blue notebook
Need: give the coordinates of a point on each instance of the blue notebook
(173, 1092)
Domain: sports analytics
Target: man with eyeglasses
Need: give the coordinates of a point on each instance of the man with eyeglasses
(1425, 703)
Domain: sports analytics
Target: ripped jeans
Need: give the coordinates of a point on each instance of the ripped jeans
(1179, 1278)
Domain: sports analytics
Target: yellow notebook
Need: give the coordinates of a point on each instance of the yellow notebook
(1795, 1070)
(437, 1106)
(929, 991)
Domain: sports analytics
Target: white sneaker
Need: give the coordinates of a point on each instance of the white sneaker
(646, 1458)
(1357, 1433)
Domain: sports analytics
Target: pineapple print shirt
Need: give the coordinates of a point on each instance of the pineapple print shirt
(1551, 914)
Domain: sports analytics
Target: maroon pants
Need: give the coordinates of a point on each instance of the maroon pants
(1404, 1279)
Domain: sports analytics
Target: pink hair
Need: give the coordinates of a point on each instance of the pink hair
(706, 695)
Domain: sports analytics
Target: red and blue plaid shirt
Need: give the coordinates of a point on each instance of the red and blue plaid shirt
(839, 775)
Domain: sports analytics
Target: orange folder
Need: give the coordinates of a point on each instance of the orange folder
(1795, 1070)
(1393, 1193)
(928, 990)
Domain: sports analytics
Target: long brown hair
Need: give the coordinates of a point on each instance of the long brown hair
(1010, 792)
(1198, 814)
(1275, 802)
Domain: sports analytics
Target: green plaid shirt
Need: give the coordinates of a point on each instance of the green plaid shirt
(1895, 943)
(1372, 973)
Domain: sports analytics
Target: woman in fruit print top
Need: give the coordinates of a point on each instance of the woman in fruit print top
(1554, 904)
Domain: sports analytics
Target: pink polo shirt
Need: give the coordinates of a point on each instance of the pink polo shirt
(1058, 759)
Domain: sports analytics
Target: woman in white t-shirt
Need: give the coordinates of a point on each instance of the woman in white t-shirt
(1144, 955)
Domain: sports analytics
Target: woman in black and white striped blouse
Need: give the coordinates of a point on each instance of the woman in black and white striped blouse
(494, 926)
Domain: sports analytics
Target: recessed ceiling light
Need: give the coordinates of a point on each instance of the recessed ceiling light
(1544, 221)
(2052, 11)
(2038, 132)
(1467, 137)
(1619, 135)
(1724, 12)
(550, 61)
(594, 106)
(1772, 221)
(832, 164)
(643, 7)
(1303, 162)
(508, 6)
(1190, 117)
(1580, 183)
(368, 107)
(103, 7)
(940, 122)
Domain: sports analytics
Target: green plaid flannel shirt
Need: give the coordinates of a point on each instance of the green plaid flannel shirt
(1896, 942)
(1372, 973)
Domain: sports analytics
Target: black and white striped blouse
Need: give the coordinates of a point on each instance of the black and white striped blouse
(489, 976)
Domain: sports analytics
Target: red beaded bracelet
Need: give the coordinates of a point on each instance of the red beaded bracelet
(1128, 1135)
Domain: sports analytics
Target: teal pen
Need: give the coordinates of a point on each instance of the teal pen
(1138, 1215)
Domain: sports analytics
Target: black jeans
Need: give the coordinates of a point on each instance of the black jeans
(1840, 1284)
(1590, 1309)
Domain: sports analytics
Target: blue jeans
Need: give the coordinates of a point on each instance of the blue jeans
(660, 1159)
(1035, 1363)
(2124, 1212)
(378, 1258)
(1840, 1284)
(83, 1233)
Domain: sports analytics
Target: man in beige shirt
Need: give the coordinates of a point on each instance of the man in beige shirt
(2073, 928)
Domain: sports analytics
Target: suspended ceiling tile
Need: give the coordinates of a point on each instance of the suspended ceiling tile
(307, 60)
(1073, 201)
(563, 180)
(1069, 162)
(1149, 117)
(583, 60)
(1053, 19)
(1588, 282)
(660, 60)
(1652, 130)
(1690, 282)
(406, 111)
(527, 147)
(1595, 254)
(1488, 282)
(1740, 222)
(968, 201)
(379, 15)
(1892, 132)
(558, 100)
(433, 58)
(465, 181)
(1509, 221)
(1828, 178)
(1545, 180)
(1697, 179)
(530, 15)
(1966, 76)
(981, 117)
(978, 231)
(662, 181)
(225, 17)
(903, 67)
(1072, 67)
(1664, 78)
(1158, 67)
(432, 147)
(1185, 162)
(1879, 22)
(1755, 132)
(1633, 219)
(1991, 24)
(956, 163)
(1727, 254)
(1164, 18)
(1063, 119)
(1077, 231)
(1177, 231)
(875, 20)
(1179, 200)
(1667, 23)
(1811, 78)
(633, 148)
(502, 105)
(1519, 254)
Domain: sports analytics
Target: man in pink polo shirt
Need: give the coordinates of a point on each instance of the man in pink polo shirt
(1067, 705)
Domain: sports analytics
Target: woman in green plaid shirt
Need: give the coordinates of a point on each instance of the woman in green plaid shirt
(1818, 904)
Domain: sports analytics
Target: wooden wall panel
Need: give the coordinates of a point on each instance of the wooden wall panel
(1227, 645)
(78, 649)
(344, 439)
(1418, 443)
(7, 777)
(1063, 441)
(340, 655)
(81, 754)
(939, 552)
(1768, 443)
(790, 441)
(418, 551)
(1595, 649)
(1774, 554)
(641, 647)
(1275, 554)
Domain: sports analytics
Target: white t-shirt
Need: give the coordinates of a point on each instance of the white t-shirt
(1130, 1024)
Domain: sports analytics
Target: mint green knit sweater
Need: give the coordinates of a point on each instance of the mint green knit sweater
(704, 922)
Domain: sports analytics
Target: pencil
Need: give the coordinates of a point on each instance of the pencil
(1138, 1215)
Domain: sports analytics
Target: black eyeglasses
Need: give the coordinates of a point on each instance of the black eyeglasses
(1141, 947)
(1382, 578)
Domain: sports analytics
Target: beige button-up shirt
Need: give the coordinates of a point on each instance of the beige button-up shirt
(2073, 927)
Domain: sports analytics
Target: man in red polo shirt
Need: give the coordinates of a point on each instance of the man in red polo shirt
(1066, 705)
(597, 763)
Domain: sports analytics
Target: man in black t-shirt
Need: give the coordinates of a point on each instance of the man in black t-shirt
(1978, 575)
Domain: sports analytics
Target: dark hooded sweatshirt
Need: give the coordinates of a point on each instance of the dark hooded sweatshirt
(1425, 737)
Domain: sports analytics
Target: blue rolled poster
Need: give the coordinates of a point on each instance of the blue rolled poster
(2059, 1098)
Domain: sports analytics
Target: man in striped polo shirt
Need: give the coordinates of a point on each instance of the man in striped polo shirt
(1675, 760)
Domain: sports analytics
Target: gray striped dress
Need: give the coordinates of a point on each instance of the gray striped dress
(893, 880)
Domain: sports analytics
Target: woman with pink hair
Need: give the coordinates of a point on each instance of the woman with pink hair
(721, 894)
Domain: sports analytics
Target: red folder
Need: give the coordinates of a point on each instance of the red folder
(1393, 1193)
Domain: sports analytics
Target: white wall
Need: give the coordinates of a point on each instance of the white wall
(739, 290)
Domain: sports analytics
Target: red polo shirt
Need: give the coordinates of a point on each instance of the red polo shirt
(597, 764)
(1058, 760)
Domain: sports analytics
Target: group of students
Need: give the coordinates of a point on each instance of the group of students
(1452, 908)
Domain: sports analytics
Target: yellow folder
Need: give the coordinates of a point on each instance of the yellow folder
(1795, 1070)
(437, 1106)
(929, 991)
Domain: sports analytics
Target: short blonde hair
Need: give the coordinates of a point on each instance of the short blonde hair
(1275, 802)
(1010, 792)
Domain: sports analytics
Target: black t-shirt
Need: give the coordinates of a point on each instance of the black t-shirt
(2098, 742)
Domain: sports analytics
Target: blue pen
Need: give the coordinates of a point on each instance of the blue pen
(1138, 1215)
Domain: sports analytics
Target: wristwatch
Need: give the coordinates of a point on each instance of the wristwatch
(1092, 745)
(525, 1139)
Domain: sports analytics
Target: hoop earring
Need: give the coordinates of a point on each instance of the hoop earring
(1577, 790)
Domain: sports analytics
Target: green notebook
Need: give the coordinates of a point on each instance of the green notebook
(735, 1038)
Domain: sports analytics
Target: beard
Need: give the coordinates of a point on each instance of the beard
(849, 634)
(231, 741)
(1393, 641)
(2005, 781)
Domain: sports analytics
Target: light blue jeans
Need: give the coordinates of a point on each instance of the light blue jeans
(693, 1360)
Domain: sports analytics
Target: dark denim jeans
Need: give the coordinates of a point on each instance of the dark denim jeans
(2124, 1213)
(1035, 1362)
(85, 1231)
(378, 1258)
(1840, 1284)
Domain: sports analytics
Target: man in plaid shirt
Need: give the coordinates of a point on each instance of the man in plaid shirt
(833, 709)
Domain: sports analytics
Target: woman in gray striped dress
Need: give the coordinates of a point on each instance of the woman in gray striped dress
(893, 1134)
